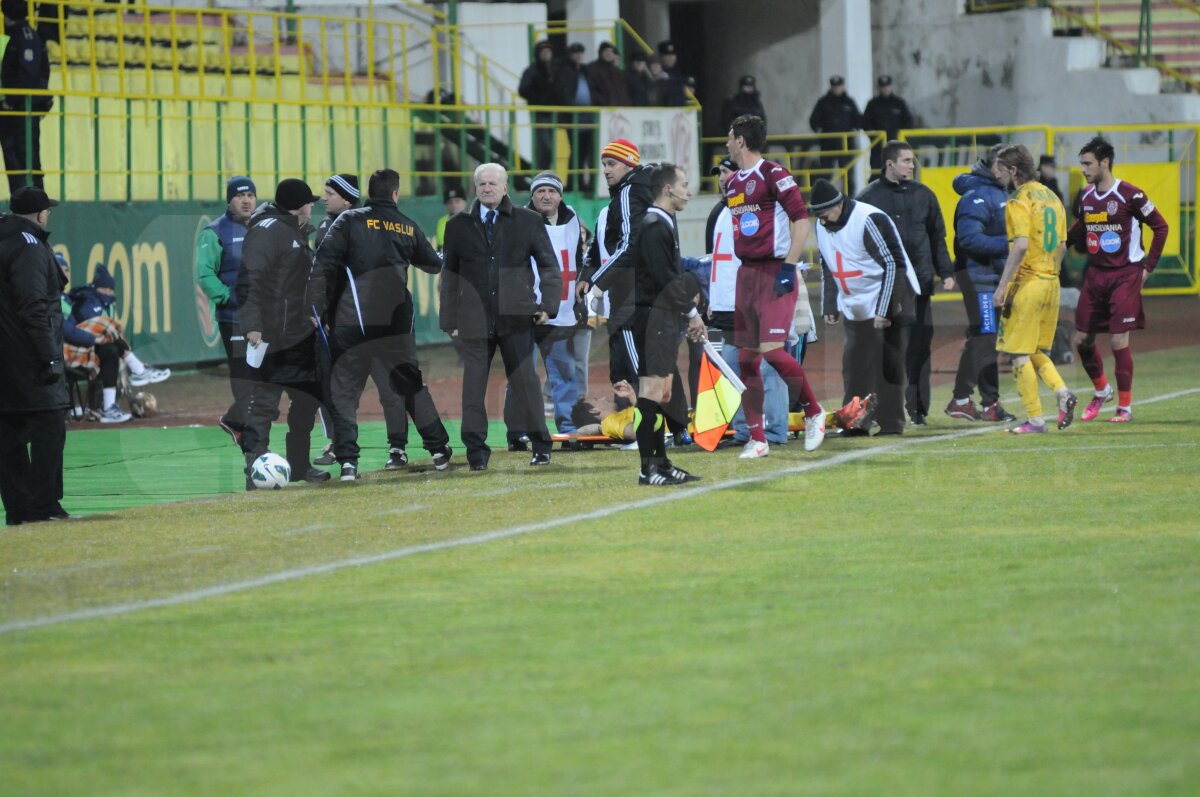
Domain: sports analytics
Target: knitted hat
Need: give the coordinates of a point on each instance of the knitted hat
(239, 185)
(102, 279)
(622, 150)
(824, 196)
(346, 186)
(546, 180)
(293, 194)
(724, 163)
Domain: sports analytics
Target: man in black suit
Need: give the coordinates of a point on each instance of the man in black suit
(489, 303)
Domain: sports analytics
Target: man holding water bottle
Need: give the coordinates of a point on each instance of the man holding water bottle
(980, 250)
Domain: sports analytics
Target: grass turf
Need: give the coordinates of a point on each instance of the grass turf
(977, 615)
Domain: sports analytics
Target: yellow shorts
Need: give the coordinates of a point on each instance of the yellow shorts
(614, 423)
(1030, 325)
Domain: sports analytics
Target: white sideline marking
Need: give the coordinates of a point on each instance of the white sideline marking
(954, 452)
(220, 590)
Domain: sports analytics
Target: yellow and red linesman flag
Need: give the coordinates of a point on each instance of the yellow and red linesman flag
(718, 397)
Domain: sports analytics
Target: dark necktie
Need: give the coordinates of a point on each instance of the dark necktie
(490, 226)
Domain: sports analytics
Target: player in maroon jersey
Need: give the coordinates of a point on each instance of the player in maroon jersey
(770, 227)
(1111, 215)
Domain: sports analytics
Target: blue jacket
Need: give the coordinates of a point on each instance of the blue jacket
(71, 333)
(980, 237)
(87, 302)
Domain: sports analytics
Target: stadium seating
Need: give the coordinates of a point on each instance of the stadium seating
(1174, 32)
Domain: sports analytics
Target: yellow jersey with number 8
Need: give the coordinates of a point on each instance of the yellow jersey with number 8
(1034, 212)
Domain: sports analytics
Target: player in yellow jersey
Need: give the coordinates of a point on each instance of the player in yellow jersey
(1028, 289)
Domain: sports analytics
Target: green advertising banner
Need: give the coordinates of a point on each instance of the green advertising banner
(150, 248)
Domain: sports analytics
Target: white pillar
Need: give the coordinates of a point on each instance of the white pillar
(846, 51)
(586, 13)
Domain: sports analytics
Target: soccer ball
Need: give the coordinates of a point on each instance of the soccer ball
(143, 405)
(270, 472)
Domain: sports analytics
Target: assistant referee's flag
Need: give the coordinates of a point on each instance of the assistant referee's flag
(718, 397)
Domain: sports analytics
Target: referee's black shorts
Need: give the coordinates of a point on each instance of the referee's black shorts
(657, 335)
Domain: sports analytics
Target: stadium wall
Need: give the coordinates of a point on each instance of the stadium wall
(1007, 68)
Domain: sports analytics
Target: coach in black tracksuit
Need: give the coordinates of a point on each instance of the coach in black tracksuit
(488, 303)
(33, 392)
(914, 209)
(359, 288)
(276, 260)
(630, 198)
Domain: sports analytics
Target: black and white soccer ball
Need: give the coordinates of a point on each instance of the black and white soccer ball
(270, 472)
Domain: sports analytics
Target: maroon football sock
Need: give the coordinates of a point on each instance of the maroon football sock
(1093, 365)
(749, 362)
(793, 374)
(1124, 369)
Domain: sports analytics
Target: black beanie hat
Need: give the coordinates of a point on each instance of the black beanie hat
(102, 279)
(238, 185)
(293, 194)
(824, 196)
(346, 186)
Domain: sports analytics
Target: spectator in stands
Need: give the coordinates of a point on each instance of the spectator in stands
(885, 111)
(917, 216)
(663, 90)
(1048, 175)
(637, 79)
(455, 201)
(95, 342)
(488, 300)
(670, 60)
(575, 89)
(609, 88)
(537, 88)
(276, 261)
(25, 65)
(746, 100)
(33, 392)
(981, 250)
(836, 112)
(218, 258)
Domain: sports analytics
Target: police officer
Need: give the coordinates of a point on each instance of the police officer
(218, 258)
(359, 289)
(886, 111)
(33, 393)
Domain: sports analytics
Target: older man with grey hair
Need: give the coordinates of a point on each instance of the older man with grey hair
(489, 302)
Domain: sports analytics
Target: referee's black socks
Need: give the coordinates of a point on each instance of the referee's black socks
(648, 428)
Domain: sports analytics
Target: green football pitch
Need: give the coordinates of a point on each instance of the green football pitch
(956, 612)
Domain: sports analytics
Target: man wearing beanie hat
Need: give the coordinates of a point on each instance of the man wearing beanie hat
(611, 258)
(868, 279)
(276, 260)
(218, 258)
(359, 290)
(556, 339)
(33, 393)
(537, 88)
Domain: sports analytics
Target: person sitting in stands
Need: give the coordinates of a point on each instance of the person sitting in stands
(95, 341)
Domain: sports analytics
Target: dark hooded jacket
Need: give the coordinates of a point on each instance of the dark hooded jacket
(87, 302)
(631, 197)
(31, 320)
(276, 261)
(918, 217)
(980, 235)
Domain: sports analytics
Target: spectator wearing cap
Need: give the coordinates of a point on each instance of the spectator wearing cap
(638, 81)
(359, 290)
(669, 79)
(669, 59)
(218, 258)
(557, 338)
(607, 80)
(1047, 175)
(537, 88)
(746, 100)
(455, 201)
(25, 66)
(574, 88)
(886, 112)
(33, 393)
(836, 112)
(867, 281)
(276, 261)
